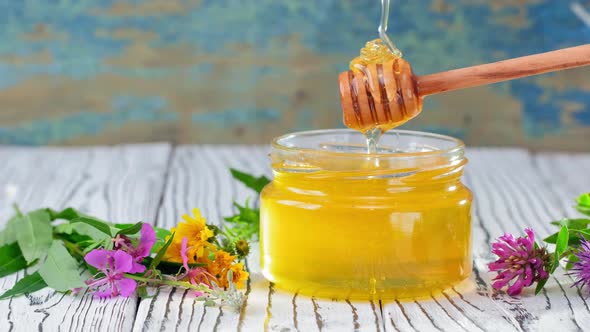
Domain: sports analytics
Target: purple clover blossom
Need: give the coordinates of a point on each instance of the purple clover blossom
(581, 268)
(197, 275)
(113, 264)
(144, 246)
(518, 260)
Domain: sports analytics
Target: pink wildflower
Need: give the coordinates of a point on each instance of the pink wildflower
(138, 253)
(196, 275)
(113, 265)
(581, 268)
(519, 261)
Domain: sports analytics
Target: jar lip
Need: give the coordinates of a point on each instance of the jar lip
(456, 147)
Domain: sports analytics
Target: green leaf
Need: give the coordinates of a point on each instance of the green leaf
(540, 285)
(11, 259)
(562, 240)
(66, 214)
(583, 231)
(96, 223)
(123, 226)
(34, 234)
(572, 223)
(60, 270)
(161, 253)
(560, 246)
(130, 230)
(142, 292)
(161, 234)
(584, 199)
(551, 239)
(571, 259)
(584, 204)
(87, 231)
(93, 245)
(8, 234)
(65, 228)
(249, 180)
(574, 239)
(29, 284)
(246, 224)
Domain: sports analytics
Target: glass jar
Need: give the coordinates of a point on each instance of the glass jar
(337, 222)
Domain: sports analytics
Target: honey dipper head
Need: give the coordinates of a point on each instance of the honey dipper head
(382, 95)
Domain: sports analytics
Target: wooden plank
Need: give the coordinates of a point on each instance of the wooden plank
(563, 177)
(512, 191)
(509, 196)
(122, 183)
(470, 306)
(199, 177)
(512, 196)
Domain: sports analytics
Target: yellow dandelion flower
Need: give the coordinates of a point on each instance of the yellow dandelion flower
(173, 252)
(197, 234)
(220, 263)
(240, 275)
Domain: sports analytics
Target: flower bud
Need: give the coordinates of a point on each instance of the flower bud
(242, 248)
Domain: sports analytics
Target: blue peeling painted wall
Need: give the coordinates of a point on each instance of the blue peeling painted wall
(227, 71)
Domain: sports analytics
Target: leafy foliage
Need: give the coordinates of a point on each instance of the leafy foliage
(29, 284)
(63, 243)
(34, 234)
(583, 205)
(11, 259)
(255, 183)
(60, 270)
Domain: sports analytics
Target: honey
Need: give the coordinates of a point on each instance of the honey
(339, 223)
(379, 92)
(374, 52)
(368, 213)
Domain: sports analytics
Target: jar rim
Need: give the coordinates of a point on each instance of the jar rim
(457, 145)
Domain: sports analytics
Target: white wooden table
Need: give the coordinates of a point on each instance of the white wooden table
(156, 183)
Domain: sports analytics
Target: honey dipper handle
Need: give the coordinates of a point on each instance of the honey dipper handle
(503, 70)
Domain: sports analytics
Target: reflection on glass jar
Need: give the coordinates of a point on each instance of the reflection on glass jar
(339, 223)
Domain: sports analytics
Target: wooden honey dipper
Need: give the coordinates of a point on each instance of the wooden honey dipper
(389, 94)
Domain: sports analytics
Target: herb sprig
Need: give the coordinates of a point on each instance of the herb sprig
(245, 224)
(523, 262)
(130, 257)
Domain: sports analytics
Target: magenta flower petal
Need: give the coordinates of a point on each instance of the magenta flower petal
(103, 294)
(516, 287)
(113, 264)
(137, 268)
(98, 258)
(123, 261)
(126, 286)
(581, 268)
(146, 241)
(197, 275)
(183, 253)
(518, 262)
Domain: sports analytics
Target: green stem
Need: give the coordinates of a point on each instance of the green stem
(227, 235)
(169, 283)
(17, 210)
(73, 247)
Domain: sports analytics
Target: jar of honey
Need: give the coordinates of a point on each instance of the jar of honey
(338, 222)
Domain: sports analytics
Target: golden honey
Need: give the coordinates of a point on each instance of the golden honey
(337, 222)
(374, 51)
(379, 90)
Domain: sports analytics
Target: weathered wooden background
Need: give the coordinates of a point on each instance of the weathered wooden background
(88, 71)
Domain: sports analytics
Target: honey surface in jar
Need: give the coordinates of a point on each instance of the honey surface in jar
(349, 229)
